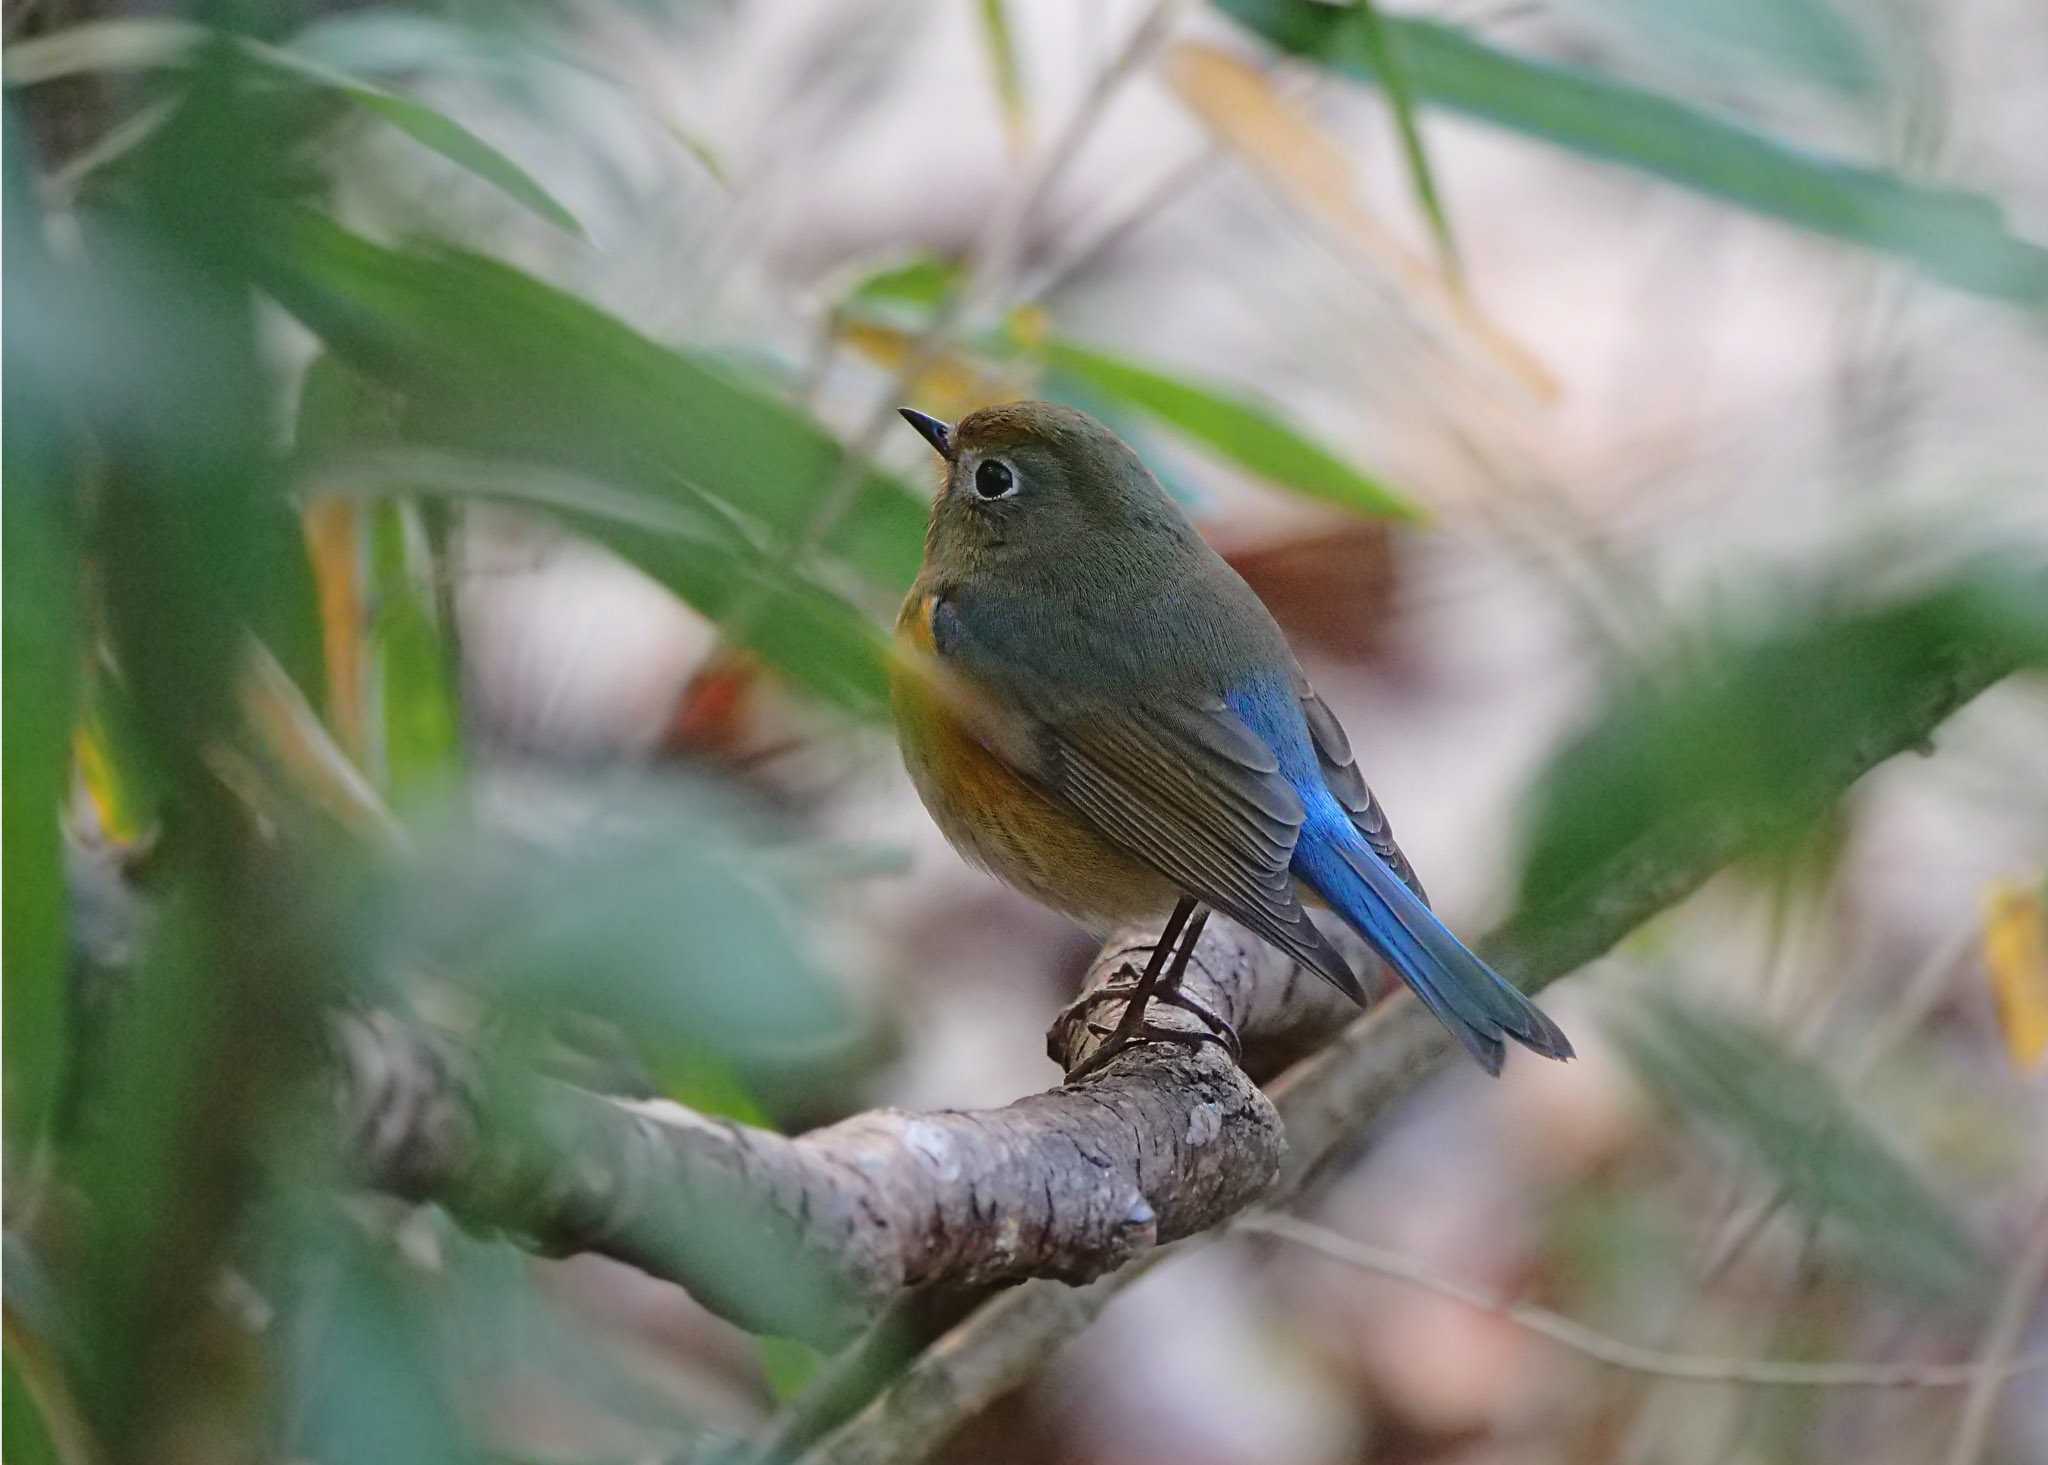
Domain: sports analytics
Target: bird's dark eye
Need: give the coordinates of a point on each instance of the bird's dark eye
(994, 479)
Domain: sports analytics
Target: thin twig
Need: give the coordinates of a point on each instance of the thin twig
(1916, 999)
(1922, 992)
(1736, 1236)
(1989, 1371)
(2001, 1343)
(1141, 210)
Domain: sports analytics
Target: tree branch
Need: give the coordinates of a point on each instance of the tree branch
(1376, 1062)
(811, 1237)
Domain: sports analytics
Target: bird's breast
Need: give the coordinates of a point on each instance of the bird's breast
(993, 815)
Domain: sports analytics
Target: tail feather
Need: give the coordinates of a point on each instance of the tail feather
(1479, 1007)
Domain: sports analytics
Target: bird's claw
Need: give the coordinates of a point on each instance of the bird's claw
(1118, 1044)
(1219, 1030)
(1127, 1035)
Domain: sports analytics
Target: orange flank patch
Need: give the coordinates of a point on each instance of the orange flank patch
(992, 815)
(931, 708)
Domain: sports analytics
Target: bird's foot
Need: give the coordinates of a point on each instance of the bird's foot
(1219, 1029)
(1118, 1043)
(1134, 1030)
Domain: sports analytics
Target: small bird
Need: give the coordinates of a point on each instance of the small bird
(1101, 713)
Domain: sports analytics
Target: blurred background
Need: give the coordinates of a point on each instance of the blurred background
(453, 501)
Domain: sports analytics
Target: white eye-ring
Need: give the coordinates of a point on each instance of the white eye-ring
(994, 479)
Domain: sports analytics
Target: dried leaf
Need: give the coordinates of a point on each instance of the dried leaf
(953, 384)
(122, 813)
(1241, 107)
(334, 543)
(2016, 954)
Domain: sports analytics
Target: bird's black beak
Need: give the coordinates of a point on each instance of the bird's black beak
(932, 431)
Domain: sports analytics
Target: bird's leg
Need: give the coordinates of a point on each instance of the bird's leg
(1169, 994)
(1145, 984)
(1134, 1007)
(1132, 1027)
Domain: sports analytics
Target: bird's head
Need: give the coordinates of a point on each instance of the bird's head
(1041, 491)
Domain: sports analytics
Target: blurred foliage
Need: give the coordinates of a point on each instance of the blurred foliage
(706, 476)
(245, 787)
(1781, 1108)
(885, 313)
(1001, 44)
(1731, 732)
(1254, 113)
(1391, 66)
(42, 632)
(1957, 237)
(1809, 38)
(172, 45)
(1236, 431)
(544, 935)
(215, 601)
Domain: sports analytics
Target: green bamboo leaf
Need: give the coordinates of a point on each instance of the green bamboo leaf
(493, 361)
(421, 710)
(1790, 1118)
(817, 637)
(432, 129)
(386, 41)
(367, 1377)
(40, 626)
(410, 655)
(1387, 59)
(673, 924)
(1747, 726)
(1808, 37)
(114, 762)
(921, 282)
(1955, 236)
(690, 474)
(1234, 429)
(1744, 730)
(443, 134)
(148, 45)
(25, 1435)
(1000, 41)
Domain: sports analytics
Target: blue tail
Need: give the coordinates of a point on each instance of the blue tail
(1467, 995)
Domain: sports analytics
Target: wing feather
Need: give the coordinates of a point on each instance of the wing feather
(1208, 809)
(1341, 775)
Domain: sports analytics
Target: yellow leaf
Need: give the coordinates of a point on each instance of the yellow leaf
(951, 385)
(1030, 326)
(334, 542)
(2016, 953)
(118, 819)
(1239, 105)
